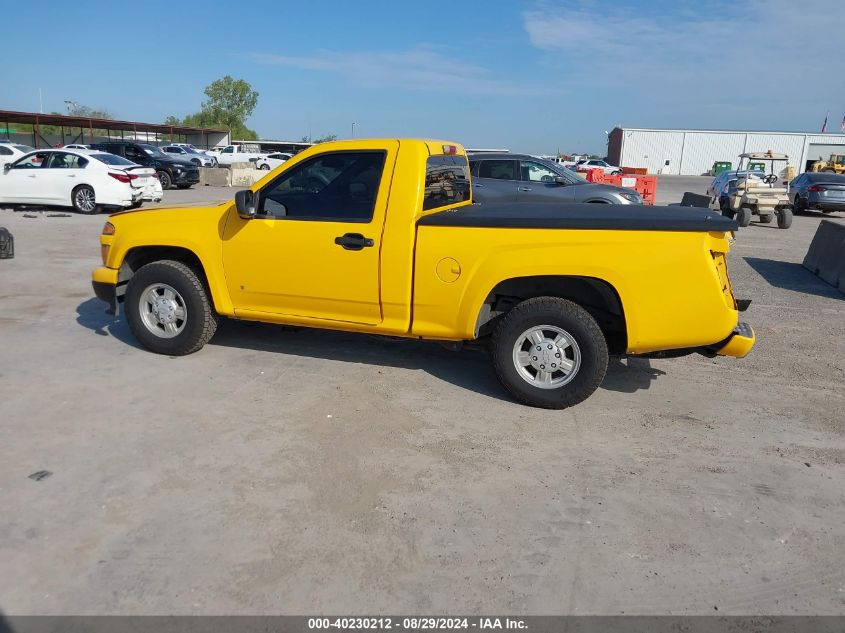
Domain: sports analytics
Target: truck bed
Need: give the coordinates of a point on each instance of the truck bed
(582, 216)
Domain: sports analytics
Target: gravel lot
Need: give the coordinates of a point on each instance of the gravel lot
(281, 471)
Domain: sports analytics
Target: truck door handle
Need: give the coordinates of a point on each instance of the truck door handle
(353, 241)
(525, 188)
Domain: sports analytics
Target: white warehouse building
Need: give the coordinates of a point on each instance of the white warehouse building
(693, 152)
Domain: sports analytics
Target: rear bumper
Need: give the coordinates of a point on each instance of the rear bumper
(826, 205)
(739, 343)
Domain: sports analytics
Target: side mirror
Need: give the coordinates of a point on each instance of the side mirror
(245, 204)
(7, 166)
(560, 180)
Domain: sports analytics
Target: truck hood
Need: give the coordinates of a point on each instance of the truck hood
(176, 210)
(621, 217)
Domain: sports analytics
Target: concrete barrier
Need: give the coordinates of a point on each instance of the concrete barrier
(215, 177)
(246, 177)
(826, 255)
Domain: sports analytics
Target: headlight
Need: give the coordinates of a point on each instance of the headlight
(632, 197)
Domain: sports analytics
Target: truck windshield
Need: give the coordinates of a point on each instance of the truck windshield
(446, 181)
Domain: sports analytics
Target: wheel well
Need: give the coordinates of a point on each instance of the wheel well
(596, 296)
(597, 201)
(143, 255)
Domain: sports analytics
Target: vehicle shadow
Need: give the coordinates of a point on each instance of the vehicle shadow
(469, 368)
(630, 374)
(792, 276)
(92, 314)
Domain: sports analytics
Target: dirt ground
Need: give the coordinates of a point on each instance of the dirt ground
(298, 472)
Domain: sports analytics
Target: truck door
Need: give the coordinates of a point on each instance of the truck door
(313, 248)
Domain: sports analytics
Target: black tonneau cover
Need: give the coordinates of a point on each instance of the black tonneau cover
(625, 217)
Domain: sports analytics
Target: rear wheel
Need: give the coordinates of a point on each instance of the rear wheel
(183, 186)
(743, 216)
(784, 218)
(165, 179)
(549, 352)
(84, 200)
(797, 207)
(168, 308)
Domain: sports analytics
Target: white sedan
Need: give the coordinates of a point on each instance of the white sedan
(86, 180)
(10, 152)
(595, 163)
(271, 161)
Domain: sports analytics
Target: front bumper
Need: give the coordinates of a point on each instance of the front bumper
(739, 343)
(107, 288)
(189, 177)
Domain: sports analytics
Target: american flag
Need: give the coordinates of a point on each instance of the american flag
(842, 125)
(824, 125)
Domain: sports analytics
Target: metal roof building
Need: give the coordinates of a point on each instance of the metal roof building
(65, 129)
(693, 152)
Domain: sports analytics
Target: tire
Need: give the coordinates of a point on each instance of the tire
(180, 336)
(784, 218)
(797, 208)
(183, 186)
(136, 205)
(765, 218)
(743, 216)
(828, 170)
(84, 200)
(197, 162)
(165, 179)
(264, 167)
(583, 345)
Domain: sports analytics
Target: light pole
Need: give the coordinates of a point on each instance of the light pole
(353, 129)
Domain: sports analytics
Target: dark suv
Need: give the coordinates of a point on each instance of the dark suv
(171, 172)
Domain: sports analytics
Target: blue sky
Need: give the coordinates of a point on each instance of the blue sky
(536, 76)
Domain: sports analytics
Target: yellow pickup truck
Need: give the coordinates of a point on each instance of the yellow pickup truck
(381, 236)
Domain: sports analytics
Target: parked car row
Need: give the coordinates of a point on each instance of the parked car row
(86, 179)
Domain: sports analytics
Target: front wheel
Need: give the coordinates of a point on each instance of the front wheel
(168, 308)
(165, 179)
(84, 200)
(743, 216)
(264, 167)
(784, 218)
(549, 352)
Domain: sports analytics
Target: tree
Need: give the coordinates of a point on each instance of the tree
(322, 139)
(230, 102)
(76, 109)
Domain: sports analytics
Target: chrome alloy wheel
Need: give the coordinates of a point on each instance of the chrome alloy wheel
(84, 198)
(163, 310)
(546, 356)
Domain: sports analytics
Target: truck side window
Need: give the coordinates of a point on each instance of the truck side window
(446, 181)
(340, 186)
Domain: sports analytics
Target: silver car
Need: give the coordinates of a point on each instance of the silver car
(522, 178)
(184, 152)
